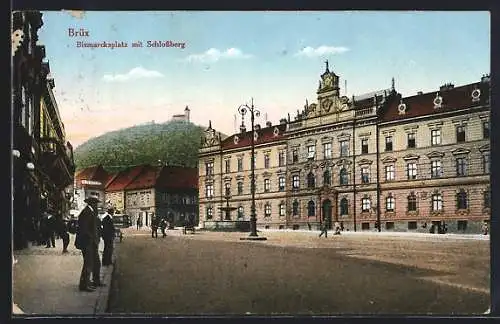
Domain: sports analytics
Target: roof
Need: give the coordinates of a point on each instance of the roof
(124, 178)
(265, 135)
(111, 177)
(145, 179)
(177, 177)
(452, 99)
(93, 173)
(370, 95)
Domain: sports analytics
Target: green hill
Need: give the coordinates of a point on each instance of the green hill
(174, 142)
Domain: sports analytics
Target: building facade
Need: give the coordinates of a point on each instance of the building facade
(42, 161)
(176, 191)
(140, 195)
(90, 182)
(115, 189)
(378, 160)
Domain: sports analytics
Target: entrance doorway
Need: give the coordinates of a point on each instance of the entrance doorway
(327, 213)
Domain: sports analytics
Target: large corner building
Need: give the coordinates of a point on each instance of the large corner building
(378, 160)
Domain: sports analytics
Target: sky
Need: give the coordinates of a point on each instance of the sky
(227, 58)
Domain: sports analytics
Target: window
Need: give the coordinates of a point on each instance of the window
(389, 203)
(411, 140)
(461, 167)
(295, 155)
(281, 183)
(344, 148)
(462, 199)
(388, 143)
(364, 146)
(486, 198)
(412, 225)
(281, 158)
(295, 208)
(486, 162)
(240, 164)
(460, 134)
(486, 129)
(412, 202)
(311, 208)
(311, 180)
(240, 212)
(462, 225)
(209, 213)
(209, 168)
(389, 172)
(227, 187)
(437, 202)
(228, 166)
(411, 170)
(267, 185)
(365, 226)
(365, 204)
(240, 188)
(282, 209)
(435, 137)
(267, 210)
(209, 190)
(327, 149)
(436, 170)
(389, 225)
(365, 175)
(326, 177)
(311, 150)
(266, 161)
(344, 206)
(344, 178)
(295, 182)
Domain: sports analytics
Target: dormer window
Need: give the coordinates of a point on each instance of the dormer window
(402, 108)
(236, 139)
(438, 101)
(476, 95)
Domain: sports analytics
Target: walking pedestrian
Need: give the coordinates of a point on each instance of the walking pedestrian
(50, 231)
(163, 226)
(154, 227)
(138, 222)
(337, 228)
(485, 228)
(108, 236)
(62, 231)
(309, 225)
(324, 230)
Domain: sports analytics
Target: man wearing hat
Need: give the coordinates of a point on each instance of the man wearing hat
(87, 240)
(108, 235)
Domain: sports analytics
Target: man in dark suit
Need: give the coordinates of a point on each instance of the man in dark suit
(108, 235)
(87, 240)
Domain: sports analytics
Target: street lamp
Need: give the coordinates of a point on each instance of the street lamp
(243, 110)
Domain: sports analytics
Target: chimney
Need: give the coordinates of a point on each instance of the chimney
(485, 78)
(256, 127)
(243, 129)
(269, 124)
(446, 86)
(283, 121)
(420, 93)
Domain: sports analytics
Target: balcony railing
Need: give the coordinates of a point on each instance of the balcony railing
(365, 111)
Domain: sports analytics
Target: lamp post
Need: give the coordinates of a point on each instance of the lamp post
(243, 110)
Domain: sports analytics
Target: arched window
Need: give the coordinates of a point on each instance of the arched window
(311, 208)
(295, 208)
(462, 199)
(344, 206)
(326, 177)
(311, 181)
(343, 177)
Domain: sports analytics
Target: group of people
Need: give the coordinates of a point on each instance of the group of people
(88, 236)
(324, 229)
(50, 227)
(161, 223)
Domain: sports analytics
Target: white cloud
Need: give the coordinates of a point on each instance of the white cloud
(321, 50)
(136, 73)
(214, 55)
